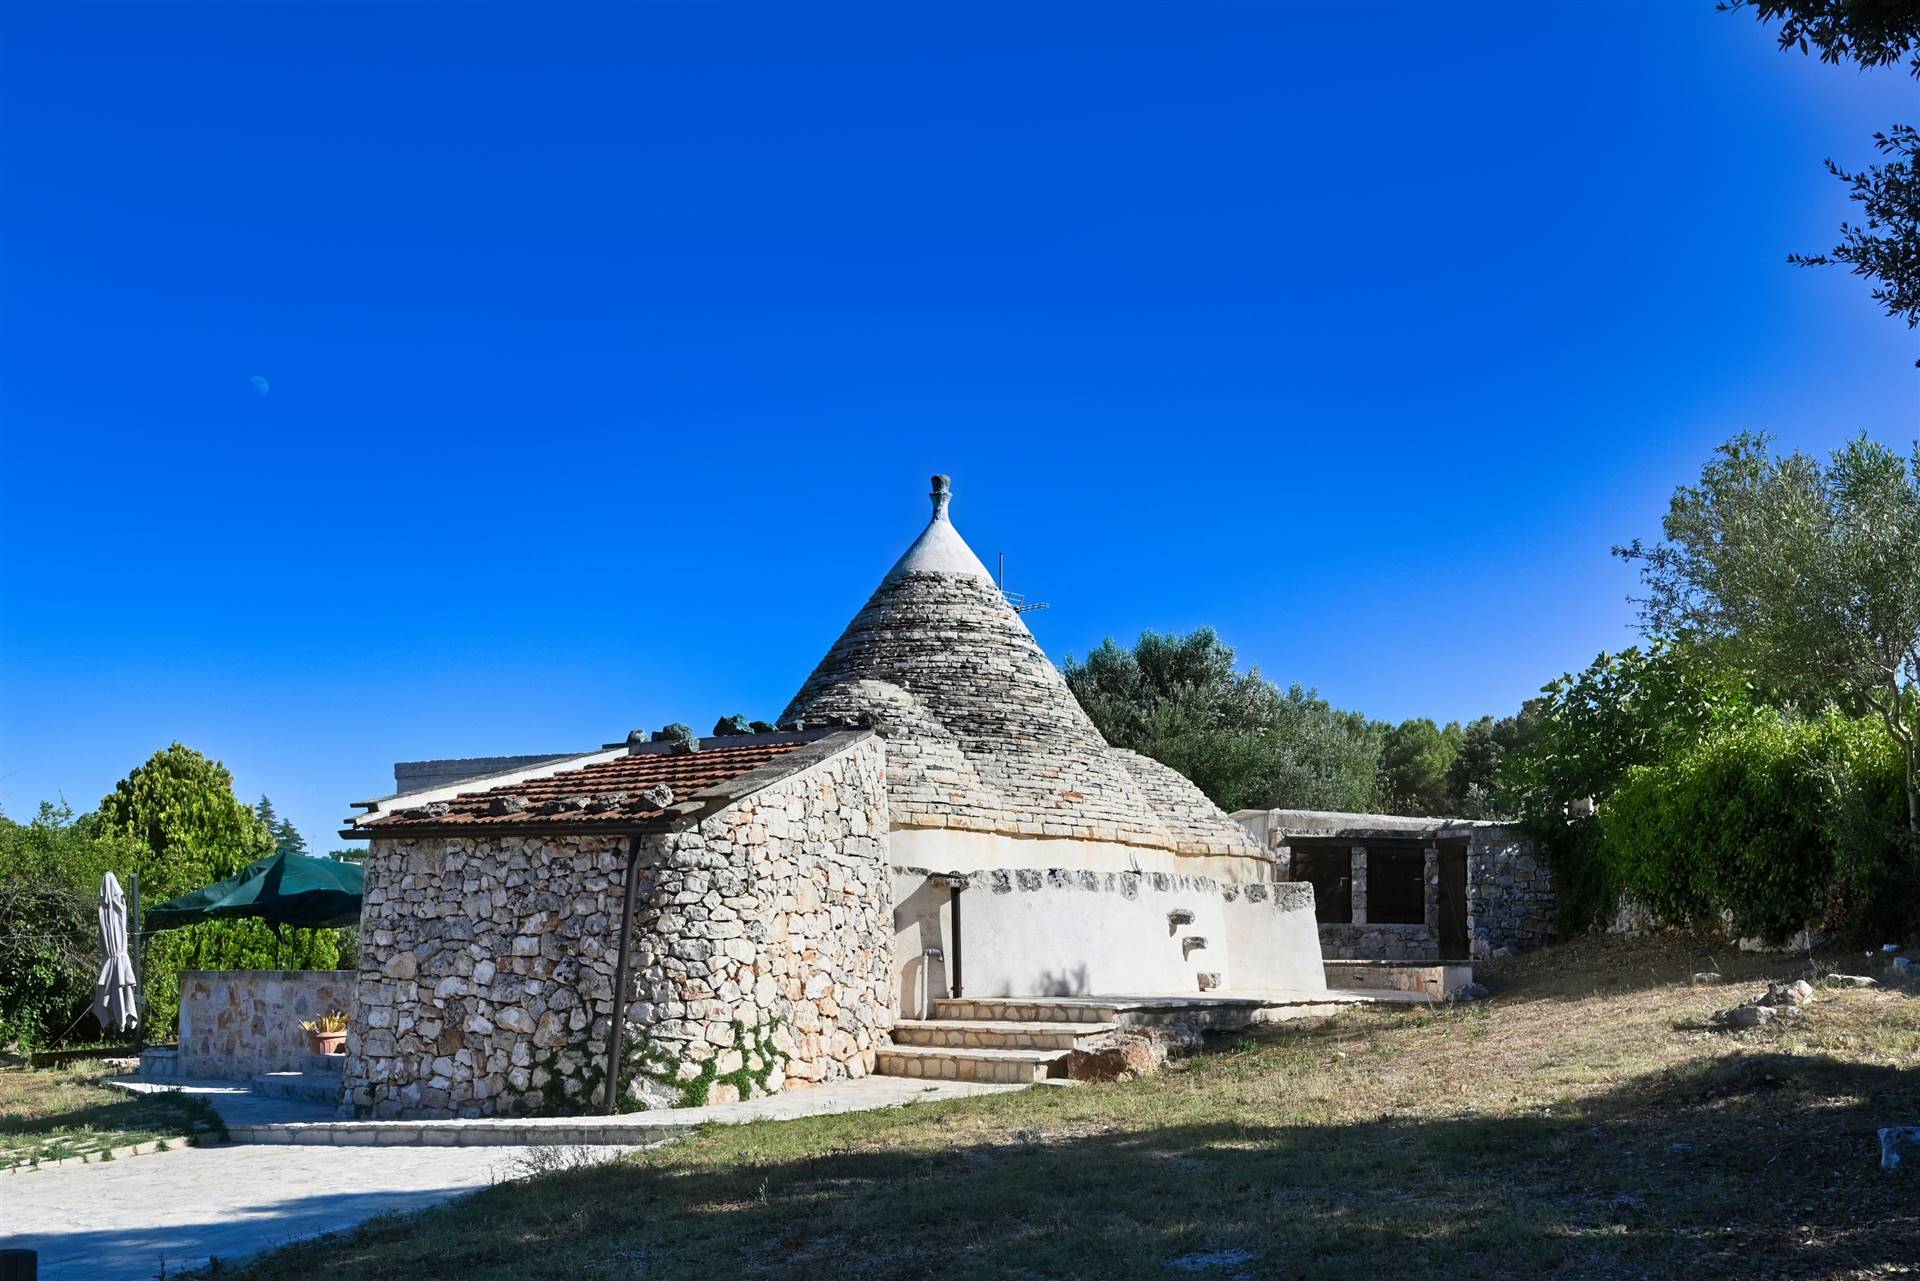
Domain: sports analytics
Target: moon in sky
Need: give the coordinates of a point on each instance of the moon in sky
(259, 384)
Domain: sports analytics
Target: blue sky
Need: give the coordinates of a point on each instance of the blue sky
(609, 350)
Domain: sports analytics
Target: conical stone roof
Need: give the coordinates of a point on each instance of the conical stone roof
(982, 732)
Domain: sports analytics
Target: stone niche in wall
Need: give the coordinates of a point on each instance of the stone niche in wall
(760, 959)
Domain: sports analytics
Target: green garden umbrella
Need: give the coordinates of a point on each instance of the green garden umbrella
(285, 889)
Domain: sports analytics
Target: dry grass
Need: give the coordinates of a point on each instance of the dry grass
(1581, 1124)
(50, 1113)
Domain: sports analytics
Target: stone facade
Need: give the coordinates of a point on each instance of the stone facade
(760, 956)
(775, 918)
(236, 1024)
(1379, 942)
(1510, 901)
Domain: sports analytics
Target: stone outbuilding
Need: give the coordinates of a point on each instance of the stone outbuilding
(758, 936)
(1063, 858)
(1393, 888)
(935, 818)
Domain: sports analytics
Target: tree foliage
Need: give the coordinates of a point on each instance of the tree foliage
(1577, 739)
(1772, 822)
(180, 807)
(1473, 777)
(1242, 740)
(189, 830)
(1868, 33)
(1575, 742)
(1416, 767)
(1885, 249)
(286, 837)
(50, 870)
(1805, 577)
(1871, 33)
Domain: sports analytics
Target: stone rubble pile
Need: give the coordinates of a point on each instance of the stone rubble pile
(1779, 1001)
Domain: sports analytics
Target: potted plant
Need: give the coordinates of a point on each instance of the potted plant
(327, 1034)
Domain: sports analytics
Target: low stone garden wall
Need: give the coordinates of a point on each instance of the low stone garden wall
(1380, 942)
(236, 1024)
(1437, 980)
(1510, 903)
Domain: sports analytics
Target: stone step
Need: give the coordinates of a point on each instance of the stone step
(944, 1063)
(989, 1034)
(310, 1087)
(1023, 1009)
(335, 1064)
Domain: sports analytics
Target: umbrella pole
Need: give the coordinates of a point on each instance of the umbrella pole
(139, 963)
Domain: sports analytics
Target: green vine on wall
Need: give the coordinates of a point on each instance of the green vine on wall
(641, 1057)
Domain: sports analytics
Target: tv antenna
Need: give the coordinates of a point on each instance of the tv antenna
(1021, 605)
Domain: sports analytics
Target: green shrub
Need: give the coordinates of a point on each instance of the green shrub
(229, 945)
(1778, 824)
(1582, 736)
(50, 873)
(174, 822)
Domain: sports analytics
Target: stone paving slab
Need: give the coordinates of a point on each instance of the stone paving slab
(127, 1219)
(122, 1220)
(235, 1101)
(252, 1119)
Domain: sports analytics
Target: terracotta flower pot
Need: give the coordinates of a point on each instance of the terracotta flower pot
(327, 1042)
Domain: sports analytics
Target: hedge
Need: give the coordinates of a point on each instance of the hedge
(1772, 824)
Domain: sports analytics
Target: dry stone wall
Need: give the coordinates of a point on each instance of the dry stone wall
(1510, 903)
(235, 1024)
(760, 957)
(1380, 942)
(1510, 897)
(983, 733)
(772, 921)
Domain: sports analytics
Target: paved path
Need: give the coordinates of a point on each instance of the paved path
(235, 1101)
(283, 1121)
(122, 1220)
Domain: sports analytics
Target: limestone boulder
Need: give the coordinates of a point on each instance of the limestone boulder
(1118, 1056)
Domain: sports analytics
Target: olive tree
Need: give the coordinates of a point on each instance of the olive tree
(1807, 576)
(1885, 248)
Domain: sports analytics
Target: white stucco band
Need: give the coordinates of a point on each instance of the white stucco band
(956, 850)
(1080, 932)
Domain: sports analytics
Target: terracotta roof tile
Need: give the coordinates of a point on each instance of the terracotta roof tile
(596, 794)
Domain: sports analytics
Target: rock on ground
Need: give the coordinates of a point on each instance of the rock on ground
(1741, 1017)
(1780, 995)
(1900, 1147)
(1118, 1056)
(1780, 1000)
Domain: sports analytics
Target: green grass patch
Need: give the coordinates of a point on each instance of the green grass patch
(1575, 1126)
(47, 1114)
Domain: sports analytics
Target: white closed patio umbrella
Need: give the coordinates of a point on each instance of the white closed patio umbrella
(114, 993)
